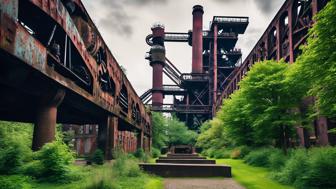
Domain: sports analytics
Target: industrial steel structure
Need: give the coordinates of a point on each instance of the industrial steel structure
(214, 60)
(56, 67)
(282, 40)
(216, 66)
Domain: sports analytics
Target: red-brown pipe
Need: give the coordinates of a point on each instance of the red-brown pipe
(197, 39)
(157, 62)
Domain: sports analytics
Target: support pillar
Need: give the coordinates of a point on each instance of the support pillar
(315, 7)
(278, 45)
(140, 140)
(214, 98)
(46, 117)
(197, 39)
(290, 36)
(108, 136)
(303, 137)
(113, 135)
(322, 127)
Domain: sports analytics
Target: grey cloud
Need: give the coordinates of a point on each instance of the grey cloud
(267, 6)
(144, 2)
(264, 6)
(117, 20)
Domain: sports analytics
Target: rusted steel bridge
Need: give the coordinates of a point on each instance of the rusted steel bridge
(56, 67)
(217, 68)
(284, 36)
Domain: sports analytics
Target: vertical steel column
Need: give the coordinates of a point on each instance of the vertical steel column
(322, 127)
(113, 135)
(278, 45)
(107, 139)
(314, 7)
(45, 124)
(102, 139)
(157, 61)
(140, 140)
(214, 100)
(290, 35)
(197, 39)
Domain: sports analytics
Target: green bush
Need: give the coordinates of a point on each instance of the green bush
(226, 154)
(104, 183)
(244, 150)
(210, 152)
(321, 172)
(33, 168)
(98, 157)
(139, 153)
(14, 182)
(11, 157)
(217, 153)
(56, 160)
(259, 157)
(235, 154)
(156, 153)
(126, 166)
(276, 159)
(295, 168)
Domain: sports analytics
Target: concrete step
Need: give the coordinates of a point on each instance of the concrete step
(186, 161)
(186, 170)
(182, 157)
(174, 155)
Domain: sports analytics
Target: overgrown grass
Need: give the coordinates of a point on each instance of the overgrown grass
(251, 177)
(106, 177)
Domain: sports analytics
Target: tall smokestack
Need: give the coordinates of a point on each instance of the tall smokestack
(157, 61)
(197, 39)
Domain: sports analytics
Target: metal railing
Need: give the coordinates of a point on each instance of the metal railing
(182, 108)
(230, 19)
(172, 88)
(195, 77)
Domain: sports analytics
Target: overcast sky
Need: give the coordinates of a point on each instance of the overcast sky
(124, 24)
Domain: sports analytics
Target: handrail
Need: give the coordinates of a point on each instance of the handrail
(182, 108)
(230, 19)
(172, 88)
(195, 76)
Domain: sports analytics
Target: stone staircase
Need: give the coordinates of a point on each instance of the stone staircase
(186, 165)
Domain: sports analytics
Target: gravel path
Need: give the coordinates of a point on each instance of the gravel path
(201, 183)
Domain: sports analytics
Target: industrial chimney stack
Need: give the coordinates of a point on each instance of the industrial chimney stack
(197, 39)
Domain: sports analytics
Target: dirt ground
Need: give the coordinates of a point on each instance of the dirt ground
(201, 183)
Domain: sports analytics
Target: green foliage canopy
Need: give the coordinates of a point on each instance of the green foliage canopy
(315, 69)
(168, 131)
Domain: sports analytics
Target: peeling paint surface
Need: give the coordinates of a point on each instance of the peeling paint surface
(29, 50)
(18, 42)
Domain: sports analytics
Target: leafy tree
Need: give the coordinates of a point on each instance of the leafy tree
(159, 129)
(213, 135)
(315, 69)
(271, 102)
(178, 133)
(262, 112)
(234, 116)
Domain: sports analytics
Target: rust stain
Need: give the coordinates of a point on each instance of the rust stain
(84, 35)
